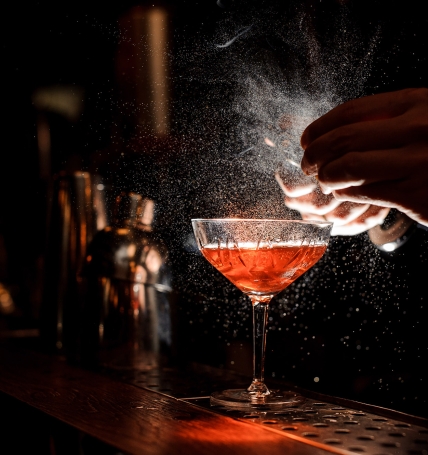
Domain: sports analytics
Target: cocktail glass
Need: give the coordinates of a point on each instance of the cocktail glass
(261, 257)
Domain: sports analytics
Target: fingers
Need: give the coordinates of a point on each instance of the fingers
(346, 212)
(408, 196)
(296, 185)
(374, 107)
(315, 203)
(382, 194)
(372, 217)
(356, 169)
(373, 150)
(357, 137)
(351, 218)
(312, 217)
(341, 216)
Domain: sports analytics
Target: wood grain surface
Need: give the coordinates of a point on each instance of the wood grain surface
(134, 420)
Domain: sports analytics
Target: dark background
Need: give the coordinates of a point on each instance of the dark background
(361, 315)
(46, 44)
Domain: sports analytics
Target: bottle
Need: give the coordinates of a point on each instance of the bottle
(126, 316)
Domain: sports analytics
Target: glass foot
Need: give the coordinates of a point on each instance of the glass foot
(242, 399)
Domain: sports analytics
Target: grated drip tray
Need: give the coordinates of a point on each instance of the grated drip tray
(332, 426)
(330, 423)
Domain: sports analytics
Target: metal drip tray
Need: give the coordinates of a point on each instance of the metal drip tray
(333, 424)
(337, 429)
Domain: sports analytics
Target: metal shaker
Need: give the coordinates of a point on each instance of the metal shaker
(77, 211)
(126, 318)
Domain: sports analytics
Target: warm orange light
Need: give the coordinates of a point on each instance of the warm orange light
(158, 41)
(142, 67)
(250, 437)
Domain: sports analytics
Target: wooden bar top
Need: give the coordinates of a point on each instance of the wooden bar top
(135, 420)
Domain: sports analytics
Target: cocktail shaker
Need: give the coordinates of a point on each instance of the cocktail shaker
(77, 211)
(393, 233)
(127, 316)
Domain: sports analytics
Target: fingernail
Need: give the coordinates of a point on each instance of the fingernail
(307, 168)
(304, 165)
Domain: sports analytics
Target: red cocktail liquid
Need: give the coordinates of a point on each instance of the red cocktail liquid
(263, 270)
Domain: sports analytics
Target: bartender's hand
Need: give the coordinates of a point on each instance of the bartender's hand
(373, 150)
(304, 195)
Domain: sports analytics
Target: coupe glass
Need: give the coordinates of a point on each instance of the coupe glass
(261, 257)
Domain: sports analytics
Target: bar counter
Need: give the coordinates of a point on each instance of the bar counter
(133, 415)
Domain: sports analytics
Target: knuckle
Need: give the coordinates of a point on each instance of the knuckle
(419, 129)
(349, 108)
(325, 176)
(309, 158)
(341, 212)
(419, 94)
(341, 139)
(291, 204)
(346, 169)
(416, 100)
(340, 195)
(351, 164)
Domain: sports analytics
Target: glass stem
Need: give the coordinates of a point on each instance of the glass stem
(260, 321)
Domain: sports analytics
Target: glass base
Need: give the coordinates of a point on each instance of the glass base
(242, 399)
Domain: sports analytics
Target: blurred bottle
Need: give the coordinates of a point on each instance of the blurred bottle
(127, 314)
(77, 212)
(142, 72)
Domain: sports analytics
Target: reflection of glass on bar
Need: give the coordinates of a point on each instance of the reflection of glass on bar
(142, 67)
